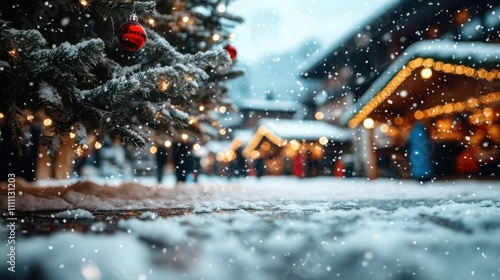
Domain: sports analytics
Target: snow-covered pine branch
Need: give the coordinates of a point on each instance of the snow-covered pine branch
(116, 90)
(25, 40)
(163, 114)
(48, 95)
(75, 59)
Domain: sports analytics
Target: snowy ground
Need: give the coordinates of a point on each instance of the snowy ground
(275, 228)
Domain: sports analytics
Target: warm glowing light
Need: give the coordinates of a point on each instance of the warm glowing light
(266, 146)
(229, 156)
(30, 118)
(153, 150)
(368, 123)
(202, 108)
(196, 147)
(151, 22)
(216, 37)
(487, 112)
(319, 115)
(84, 2)
(323, 140)
(167, 143)
(222, 109)
(47, 122)
(447, 108)
(221, 8)
(97, 145)
(90, 271)
(1, 116)
(384, 128)
(232, 36)
(13, 53)
(222, 131)
(418, 115)
(72, 135)
(184, 136)
(185, 19)
(255, 154)
(164, 85)
(426, 73)
(295, 145)
(192, 120)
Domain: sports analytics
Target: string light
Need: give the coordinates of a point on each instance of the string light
(72, 135)
(221, 8)
(1, 116)
(97, 145)
(184, 136)
(30, 118)
(84, 3)
(222, 109)
(404, 73)
(196, 147)
(13, 53)
(47, 122)
(153, 150)
(323, 140)
(164, 85)
(452, 107)
(426, 73)
(185, 19)
(255, 154)
(319, 115)
(368, 123)
(384, 128)
(261, 132)
(216, 37)
(168, 143)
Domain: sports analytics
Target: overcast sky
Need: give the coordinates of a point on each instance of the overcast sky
(275, 26)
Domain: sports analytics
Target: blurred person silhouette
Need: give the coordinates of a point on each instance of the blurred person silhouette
(420, 149)
(183, 161)
(161, 161)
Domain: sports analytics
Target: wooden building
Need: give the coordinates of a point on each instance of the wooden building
(437, 64)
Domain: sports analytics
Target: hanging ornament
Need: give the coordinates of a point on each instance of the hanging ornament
(231, 51)
(132, 35)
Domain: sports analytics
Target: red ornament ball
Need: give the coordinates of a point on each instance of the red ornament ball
(132, 35)
(231, 51)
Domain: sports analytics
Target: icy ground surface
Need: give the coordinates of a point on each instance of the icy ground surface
(276, 228)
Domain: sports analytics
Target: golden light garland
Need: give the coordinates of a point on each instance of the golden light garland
(429, 63)
(261, 132)
(454, 107)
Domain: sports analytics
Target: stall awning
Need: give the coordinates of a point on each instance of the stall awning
(465, 76)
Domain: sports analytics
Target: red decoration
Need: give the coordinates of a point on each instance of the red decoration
(231, 51)
(132, 35)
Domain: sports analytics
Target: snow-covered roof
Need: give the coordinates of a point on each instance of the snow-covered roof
(307, 130)
(473, 54)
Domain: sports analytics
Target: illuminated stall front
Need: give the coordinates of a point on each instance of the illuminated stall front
(298, 147)
(451, 87)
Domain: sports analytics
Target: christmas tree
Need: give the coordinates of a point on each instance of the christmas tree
(131, 70)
